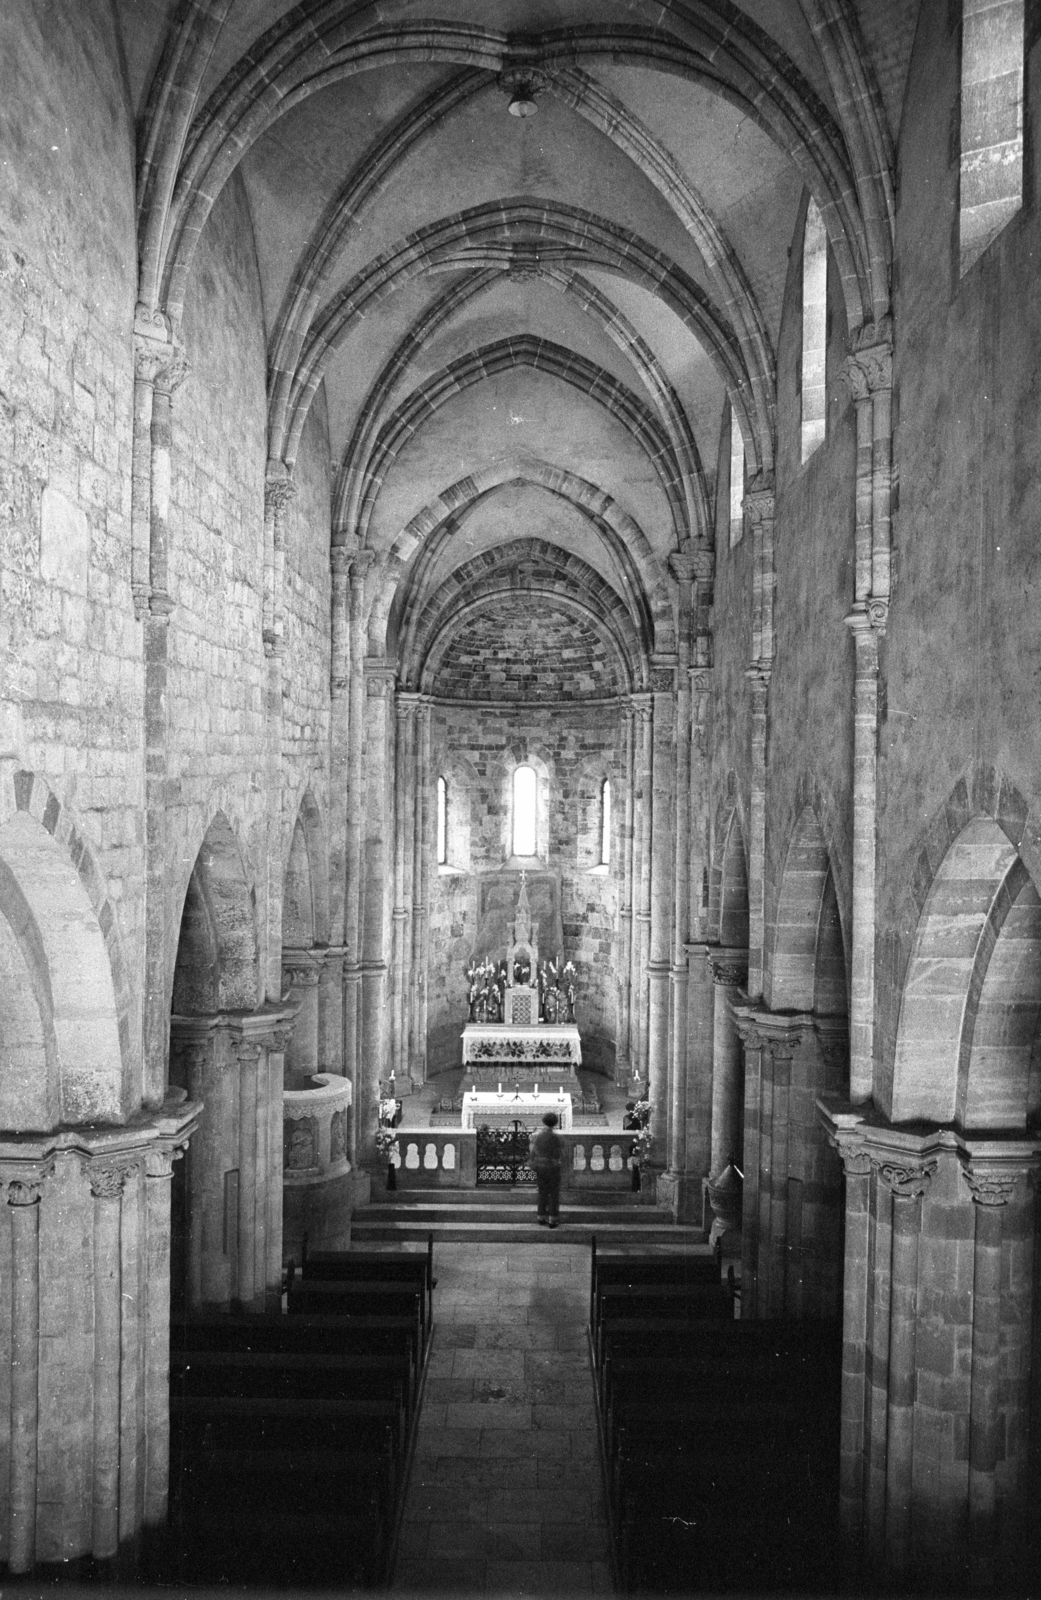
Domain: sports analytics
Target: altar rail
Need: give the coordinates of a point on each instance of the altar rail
(446, 1158)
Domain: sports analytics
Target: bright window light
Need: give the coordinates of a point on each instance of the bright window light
(525, 792)
(605, 823)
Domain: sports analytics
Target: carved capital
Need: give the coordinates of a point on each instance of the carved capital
(173, 371)
(908, 1181)
(730, 974)
(279, 489)
(990, 1188)
(663, 680)
(683, 566)
(159, 1162)
(362, 563)
(878, 614)
(107, 1182)
(868, 369)
(248, 1052)
(855, 1158)
(760, 503)
(25, 1186)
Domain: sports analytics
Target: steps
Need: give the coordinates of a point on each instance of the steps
(490, 1216)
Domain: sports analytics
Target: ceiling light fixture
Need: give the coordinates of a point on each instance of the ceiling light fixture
(523, 103)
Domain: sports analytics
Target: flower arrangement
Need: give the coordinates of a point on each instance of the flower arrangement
(386, 1142)
(642, 1143)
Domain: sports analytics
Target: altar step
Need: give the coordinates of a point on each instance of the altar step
(485, 1216)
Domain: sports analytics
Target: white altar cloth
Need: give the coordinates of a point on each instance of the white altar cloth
(493, 1044)
(481, 1105)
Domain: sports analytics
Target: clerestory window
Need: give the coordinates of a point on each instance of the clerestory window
(814, 330)
(991, 165)
(737, 480)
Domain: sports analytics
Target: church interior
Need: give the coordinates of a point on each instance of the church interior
(518, 534)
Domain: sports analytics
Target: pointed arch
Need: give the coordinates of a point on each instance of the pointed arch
(808, 965)
(970, 1011)
(217, 962)
(728, 885)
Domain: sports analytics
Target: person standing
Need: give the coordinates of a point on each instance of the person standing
(546, 1158)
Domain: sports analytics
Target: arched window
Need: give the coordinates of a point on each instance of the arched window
(814, 330)
(525, 806)
(442, 822)
(991, 170)
(605, 823)
(737, 480)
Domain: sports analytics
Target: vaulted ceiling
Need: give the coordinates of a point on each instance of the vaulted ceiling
(524, 327)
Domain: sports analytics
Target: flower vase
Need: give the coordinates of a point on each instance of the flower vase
(392, 1176)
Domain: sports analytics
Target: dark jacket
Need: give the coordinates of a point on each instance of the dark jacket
(545, 1149)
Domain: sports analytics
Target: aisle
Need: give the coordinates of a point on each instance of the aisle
(506, 1495)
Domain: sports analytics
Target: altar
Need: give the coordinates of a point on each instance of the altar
(486, 1106)
(522, 1017)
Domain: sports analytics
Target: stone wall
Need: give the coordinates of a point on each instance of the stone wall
(70, 648)
(962, 659)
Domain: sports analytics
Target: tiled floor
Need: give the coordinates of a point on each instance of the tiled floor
(506, 1494)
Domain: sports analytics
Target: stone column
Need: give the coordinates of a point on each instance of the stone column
(330, 1008)
(697, 1073)
(23, 1193)
(331, 1043)
(84, 1336)
(234, 1063)
(279, 490)
(302, 974)
(659, 968)
(422, 856)
(158, 1182)
(869, 374)
(772, 1201)
(642, 810)
(352, 938)
(377, 889)
(674, 1190)
(728, 969)
(106, 1186)
(406, 803)
(940, 1286)
(759, 510)
(624, 1067)
(160, 368)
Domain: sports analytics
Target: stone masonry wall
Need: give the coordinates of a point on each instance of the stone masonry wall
(71, 678)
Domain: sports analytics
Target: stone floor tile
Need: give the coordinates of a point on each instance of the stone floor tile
(570, 1541)
(454, 1336)
(496, 1366)
(563, 1472)
(448, 1389)
(560, 1416)
(569, 1577)
(440, 1577)
(522, 1443)
(490, 1414)
(447, 1441)
(515, 1335)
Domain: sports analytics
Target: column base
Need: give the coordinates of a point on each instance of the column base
(361, 1188)
(682, 1194)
